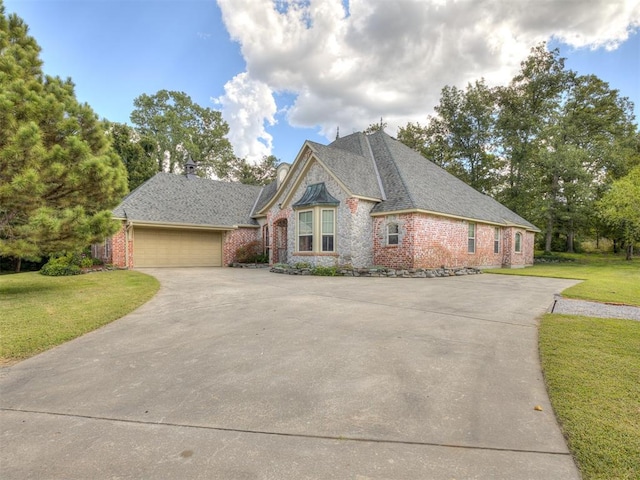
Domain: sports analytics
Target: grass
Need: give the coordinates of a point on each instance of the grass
(608, 278)
(592, 370)
(592, 366)
(40, 312)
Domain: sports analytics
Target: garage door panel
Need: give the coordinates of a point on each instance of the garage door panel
(158, 247)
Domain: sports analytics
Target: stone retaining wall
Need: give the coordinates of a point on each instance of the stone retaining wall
(382, 272)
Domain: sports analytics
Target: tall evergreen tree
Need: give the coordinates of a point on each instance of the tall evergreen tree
(59, 176)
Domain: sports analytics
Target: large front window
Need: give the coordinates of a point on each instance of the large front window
(305, 231)
(317, 230)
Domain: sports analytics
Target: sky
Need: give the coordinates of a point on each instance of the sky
(285, 71)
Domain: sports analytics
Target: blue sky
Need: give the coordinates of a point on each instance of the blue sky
(279, 78)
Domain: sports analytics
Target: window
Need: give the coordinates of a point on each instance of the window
(496, 240)
(471, 245)
(316, 230)
(305, 231)
(327, 230)
(518, 242)
(392, 234)
(267, 239)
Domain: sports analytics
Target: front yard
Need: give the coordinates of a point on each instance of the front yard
(592, 366)
(40, 312)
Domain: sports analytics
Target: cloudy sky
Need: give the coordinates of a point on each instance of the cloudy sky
(284, 71)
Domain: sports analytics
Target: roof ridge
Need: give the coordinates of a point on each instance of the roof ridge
(383, 195)
(253, 208)
(384, 137)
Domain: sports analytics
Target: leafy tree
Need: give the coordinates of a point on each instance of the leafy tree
(375, 127)
(620, 208)
(59, 175)
(137, 154)
(525, 108)
(546, 145)
(260, 173)
(179, 126)
(461, 136)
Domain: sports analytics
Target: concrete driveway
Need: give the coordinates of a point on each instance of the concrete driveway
(245, 374)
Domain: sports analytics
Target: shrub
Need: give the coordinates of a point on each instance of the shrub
(302, 265)
(60, 266)
(70, 263)
(325, 271)
(251, 252)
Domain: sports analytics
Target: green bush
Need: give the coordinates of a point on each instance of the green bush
(302, 265)
(60, 266)
(325, 271)
(70, 263)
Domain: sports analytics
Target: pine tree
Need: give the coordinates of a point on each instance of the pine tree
(59, 175)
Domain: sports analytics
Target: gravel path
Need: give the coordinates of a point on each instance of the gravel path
(594, 309)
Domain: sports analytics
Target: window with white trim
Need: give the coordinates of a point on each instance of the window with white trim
(518, 242)
(316, 230)
(496, 240)
(327, 230)
(471, 243)
(393, 234)
(305, 231)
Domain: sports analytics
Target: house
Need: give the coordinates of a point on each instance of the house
(362, 200)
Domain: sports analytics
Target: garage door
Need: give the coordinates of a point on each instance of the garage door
(163, 247)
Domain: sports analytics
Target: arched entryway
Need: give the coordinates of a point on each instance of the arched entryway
(280, 241)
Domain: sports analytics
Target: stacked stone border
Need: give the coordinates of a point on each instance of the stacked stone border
(379, 272)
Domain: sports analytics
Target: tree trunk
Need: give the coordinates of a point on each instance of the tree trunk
(630, 251)
(570, 236)
(18, 264)
(548, 235)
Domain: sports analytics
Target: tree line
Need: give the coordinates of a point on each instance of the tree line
(550, 145)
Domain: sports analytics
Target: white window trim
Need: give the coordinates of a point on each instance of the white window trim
(313, 230)
(515, 243)
(475, 235)
(316, 231)
(497, 236)
(322, 233)
(389, 234)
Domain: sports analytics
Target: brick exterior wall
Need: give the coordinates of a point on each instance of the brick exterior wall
(234, 239)
(118, 248)
(430, 241)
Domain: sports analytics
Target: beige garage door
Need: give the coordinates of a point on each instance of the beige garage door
(164, 247)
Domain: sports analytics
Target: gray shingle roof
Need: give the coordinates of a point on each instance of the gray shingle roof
(169, 198)
(363, 163)
(355, 170)
(411, 181)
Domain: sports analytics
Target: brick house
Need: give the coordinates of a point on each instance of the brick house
(362, 200)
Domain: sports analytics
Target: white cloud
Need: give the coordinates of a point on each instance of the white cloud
(246, 105)
(391, 58)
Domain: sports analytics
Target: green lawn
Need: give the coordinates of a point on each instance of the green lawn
(592, 366)
(608, 278)
(592, 370)
(40, 312)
